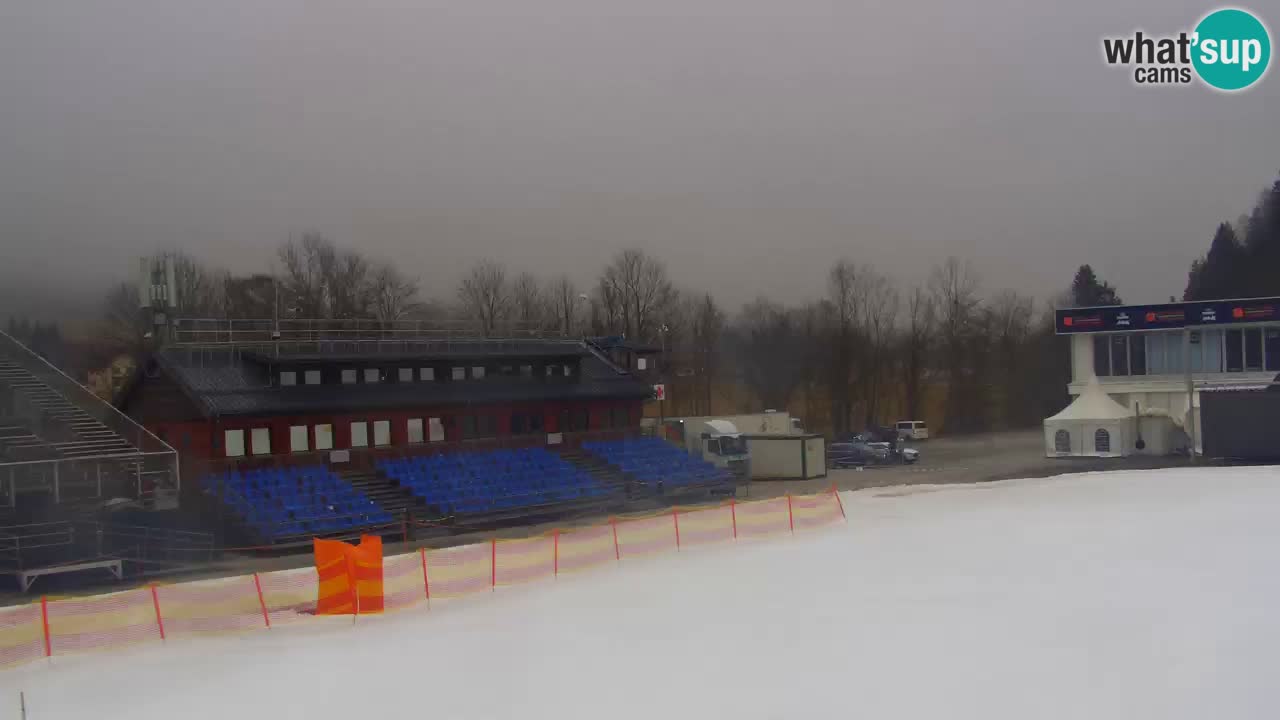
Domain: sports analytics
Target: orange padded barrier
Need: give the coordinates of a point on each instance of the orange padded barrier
(350, 577)
(344, 573)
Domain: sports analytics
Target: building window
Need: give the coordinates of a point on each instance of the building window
(435, 430)
(1119, 354)
(415, 430)
(468, 427)
(526, 423)
(324, 437)
(234, 442)
(459, 373)
(1253, 350)
(312, 377)
(427, 374)
(1102, 441)
(406, 374)
(642, 363)
(526, 371)
(298, 438)
(372, 375)
(477, 372)
(1235, 351)
(349, 376)
(359, 434)
(552, 370)
(1062, 442)
(288, 377)
(381, 432)
(261, 441)
(1102, 355)
(568, 370)
(1271, 348)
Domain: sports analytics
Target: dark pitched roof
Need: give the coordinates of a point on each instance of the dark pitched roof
(227, 383)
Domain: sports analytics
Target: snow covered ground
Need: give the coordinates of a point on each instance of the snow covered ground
(1118, 595)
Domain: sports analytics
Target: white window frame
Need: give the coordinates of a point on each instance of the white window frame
(260, 441)
(381, 433)
(288, 377)
(405, 375)
(299, 438)
(359, 434)
(413, 428)
(427, 374)
(233, 443)
(324, 436)
(477, 372)
(642, 363)
(459, 372)
(435, 430)
(349, 376)
(372, 375)
(311, 377)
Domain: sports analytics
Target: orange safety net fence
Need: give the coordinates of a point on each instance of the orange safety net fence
(344, 574)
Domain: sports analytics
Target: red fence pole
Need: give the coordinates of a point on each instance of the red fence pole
(493, 564)
(155, 600)
(556, 556)
(840, 502)
(791, 518)
(261, 601)
(617, 554)
(733, 511)
(675, 518)
(426, 584)
(44, 619)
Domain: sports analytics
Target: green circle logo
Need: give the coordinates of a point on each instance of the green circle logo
(1232, 49)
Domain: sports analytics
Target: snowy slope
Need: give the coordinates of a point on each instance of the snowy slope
(1117, 595)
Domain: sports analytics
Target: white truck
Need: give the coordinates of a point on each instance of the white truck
(716, 440)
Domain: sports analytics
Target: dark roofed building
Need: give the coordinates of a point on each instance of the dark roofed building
(220, 401)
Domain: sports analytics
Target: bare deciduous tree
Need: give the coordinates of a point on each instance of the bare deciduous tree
(563, 301)
(485, 297)
(308, 263)
(914, 346)
(706, 335)
(394, 295)
(639, 286)
(766, 343)
(124, 325)
(528, 305)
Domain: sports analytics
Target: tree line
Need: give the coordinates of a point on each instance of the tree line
(867, 351)
(1243, 259)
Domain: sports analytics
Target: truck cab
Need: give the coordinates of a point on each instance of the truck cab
(723, 446)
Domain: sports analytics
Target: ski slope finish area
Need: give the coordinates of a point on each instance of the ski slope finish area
(1109, 595)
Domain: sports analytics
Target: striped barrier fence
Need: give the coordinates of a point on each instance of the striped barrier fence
(259, 601)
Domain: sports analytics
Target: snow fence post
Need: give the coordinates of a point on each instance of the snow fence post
(675, 518)
(426, 584)
(617, 554)
(155, 600)
(493, 564)
(791, 519)
(44, 620)
(839, 502)
(555, 556)
(733, 513)
(266, 619)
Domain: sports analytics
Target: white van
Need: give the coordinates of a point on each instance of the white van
(912, 430)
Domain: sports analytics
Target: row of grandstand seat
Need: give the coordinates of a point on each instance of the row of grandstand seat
(656, 463)
(482, 482)
(286, 502)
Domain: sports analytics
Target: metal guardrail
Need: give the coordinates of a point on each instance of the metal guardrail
(62, 542)
(214, 330)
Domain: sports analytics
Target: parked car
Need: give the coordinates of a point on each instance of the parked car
(912, 430)
(855, 454)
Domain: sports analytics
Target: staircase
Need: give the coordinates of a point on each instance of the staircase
(83, 435)
(390, 496)
(603, 473)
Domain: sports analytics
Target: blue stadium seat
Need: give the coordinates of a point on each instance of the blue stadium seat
(294, 502)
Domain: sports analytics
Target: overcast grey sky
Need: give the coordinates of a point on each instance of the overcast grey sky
(748, 143)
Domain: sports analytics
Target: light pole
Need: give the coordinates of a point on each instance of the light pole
(662, 376)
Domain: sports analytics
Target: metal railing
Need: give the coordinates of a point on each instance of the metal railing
(61, 542)
(217, 330)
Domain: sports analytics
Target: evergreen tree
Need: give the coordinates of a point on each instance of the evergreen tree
(1088, 291)
(1261, 276)
(1221, 274)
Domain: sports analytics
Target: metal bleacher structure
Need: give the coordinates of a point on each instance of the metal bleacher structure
(65, 454)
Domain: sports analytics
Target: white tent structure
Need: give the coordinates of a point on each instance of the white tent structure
(1093, 425)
